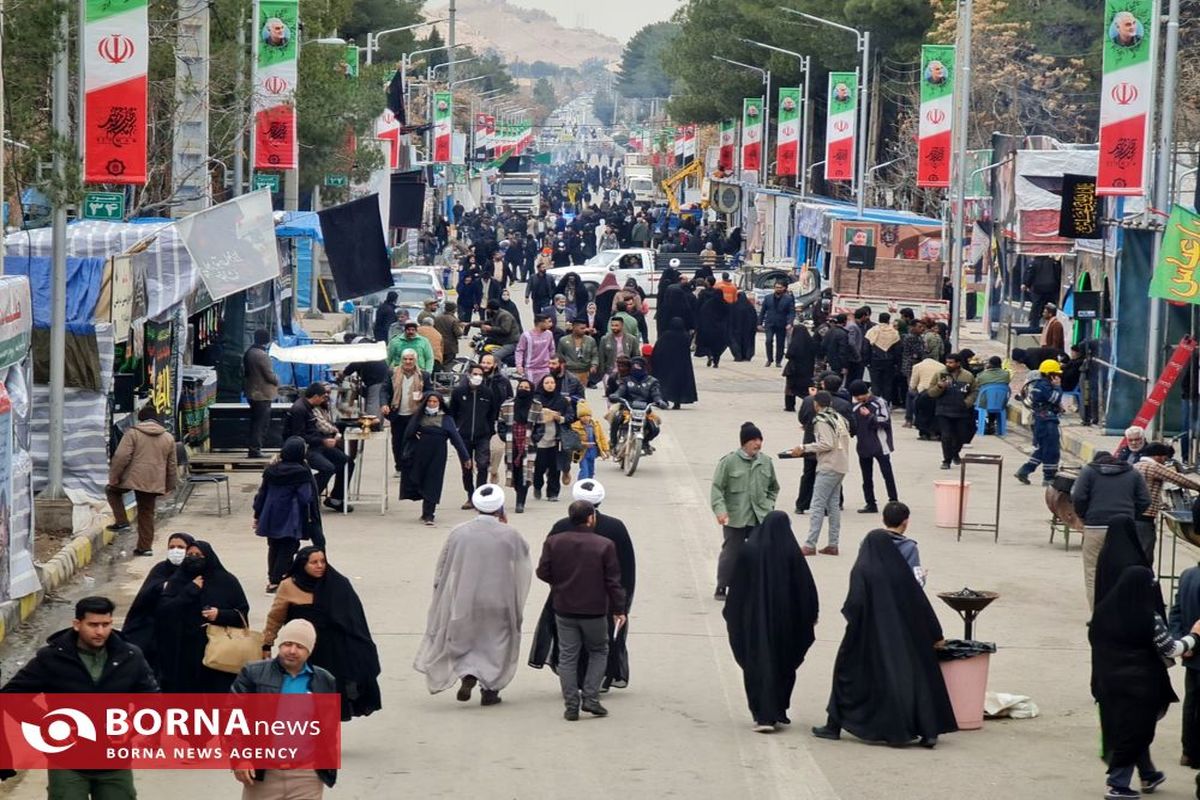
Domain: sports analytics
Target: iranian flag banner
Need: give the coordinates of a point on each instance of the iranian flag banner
(387, 129)
(489, 138)
(728, 145)
(689, 144)
(937, 112)
(840, 126)
(116, 47)
(275, 50)
(1125, 91)
(524, 135)
(443, 128)
(635, 140)
(679, 135)
(787, 138)
(480, 129)
(752, 116)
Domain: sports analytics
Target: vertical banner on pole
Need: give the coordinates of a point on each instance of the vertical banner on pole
(725, 159)
(387, 129)
(752, 108)
(443, 115)
(490, 137)
(1128, 83)
(113, 124)
(274, 85)
(840, 125)
(679, 134)
(689, 144)
(480, 144)
(787, 140)
(937, 113)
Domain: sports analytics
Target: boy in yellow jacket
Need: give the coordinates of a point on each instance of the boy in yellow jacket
(595, 442)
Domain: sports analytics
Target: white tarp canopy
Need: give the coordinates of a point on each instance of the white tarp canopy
(330, 353)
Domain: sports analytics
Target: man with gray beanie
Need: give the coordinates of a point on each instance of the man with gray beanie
(743, 492)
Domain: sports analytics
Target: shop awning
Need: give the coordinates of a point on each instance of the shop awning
(330, 353)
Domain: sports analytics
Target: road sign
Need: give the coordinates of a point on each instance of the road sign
(104, 205)
(337, 180)
(266, 180)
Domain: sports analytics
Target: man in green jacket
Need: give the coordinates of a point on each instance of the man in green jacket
(744, 489)
(579, 352)
(410, 340)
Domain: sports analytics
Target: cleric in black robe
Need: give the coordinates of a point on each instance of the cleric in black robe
(743, 326)
(545, 637)
(676, 301)
(887, 686)
(798, 371)
(138, 627)
(712, 326)
(770, 613)
(673, 364)
(1129, 675)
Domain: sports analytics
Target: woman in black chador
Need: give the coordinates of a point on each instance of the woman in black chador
(743, 324)
(673, 365)
(887, 686)
(770, 612)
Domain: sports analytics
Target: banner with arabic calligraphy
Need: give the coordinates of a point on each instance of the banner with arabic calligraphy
(387, 129)
(443, 126)
(752, 118)
(1079, 215)
(1125, 90)
(840, 126)
(275, 51)
(937, 113)
(787, 137)
(1175, 273)
(116, 49)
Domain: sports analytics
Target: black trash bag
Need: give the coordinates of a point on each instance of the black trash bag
(960, 648)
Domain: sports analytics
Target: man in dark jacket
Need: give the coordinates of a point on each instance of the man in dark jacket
(89, 657)
(539, 291)
(1105, 488)
(288, 673)
(585, 587)
(954, 393)
(1042, 279)
(835, 343)
(776, 316)
(475, 410)
(1184, 613)
(260, 385)
(872, 426)
(324, 455)
(385, 317)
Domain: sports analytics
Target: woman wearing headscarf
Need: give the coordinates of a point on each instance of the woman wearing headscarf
(139, 622)
(887, 686)
(576, 293)
(315, 591)
(712, 325)
(287, 508)
(200, 592)
(556, 415)
(669, 277)
(1131, 649)
(674, 301)
(743, 326)
(770, 614)
(798, 371)
(606, 296)
(424, 457)
(519, 427)
(506, 303)
(1121, 549)
(673, 365)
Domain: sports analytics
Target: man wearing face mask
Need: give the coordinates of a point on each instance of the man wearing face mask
(641, 389)
(474, 409)
(501, 389)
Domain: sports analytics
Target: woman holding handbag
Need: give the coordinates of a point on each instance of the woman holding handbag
(200, 593)
(287, 509)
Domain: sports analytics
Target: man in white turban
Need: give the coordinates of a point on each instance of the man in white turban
(473, 633)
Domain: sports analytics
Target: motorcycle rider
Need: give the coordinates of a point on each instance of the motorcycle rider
(500, 329)
(640, 387)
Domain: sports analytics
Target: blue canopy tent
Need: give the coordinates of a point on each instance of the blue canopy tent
(305, 228)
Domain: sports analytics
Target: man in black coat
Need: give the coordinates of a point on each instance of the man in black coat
(835, 343)
(385, 317)
(475, 408)
(540, 289)
(324, 455)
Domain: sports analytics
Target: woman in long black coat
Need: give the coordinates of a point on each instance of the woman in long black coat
(423, 456)
(576, 293)
(887, 685)
(798, 371)
(673, 365)
(674, 301)
(138, 627)
(743, 326)
(712, 326)
(770, 614)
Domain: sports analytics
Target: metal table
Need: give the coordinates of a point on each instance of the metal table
(985, 459)
(1176, 520)
(362, 436)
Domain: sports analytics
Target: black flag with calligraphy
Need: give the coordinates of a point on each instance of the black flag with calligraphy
(1079, 215)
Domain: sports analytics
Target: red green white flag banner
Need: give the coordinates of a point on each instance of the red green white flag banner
(116, 48)
(752, 123)
(787, 138)
(443, 128)
(275, 50)
(840, 126)
(728, 144)
(387, 129)
(937, 114)
(1125, 94)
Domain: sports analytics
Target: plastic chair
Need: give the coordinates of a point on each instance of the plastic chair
(992, 399)
(190, 482)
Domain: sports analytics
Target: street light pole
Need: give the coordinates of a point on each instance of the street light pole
(58, 265)
(373, 38)
(766, 79)
(963, 118)
(806, 122)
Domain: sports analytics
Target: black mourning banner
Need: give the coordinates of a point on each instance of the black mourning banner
(354, 244)
(408, 200)
(860, 256)
(1079, 215)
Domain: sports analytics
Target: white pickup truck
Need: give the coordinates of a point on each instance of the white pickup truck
(626, 263)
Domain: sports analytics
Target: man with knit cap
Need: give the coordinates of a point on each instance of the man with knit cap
(473, 631)
(743, 492)
(287, 673)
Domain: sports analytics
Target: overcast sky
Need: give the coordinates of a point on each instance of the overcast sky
(617, 18)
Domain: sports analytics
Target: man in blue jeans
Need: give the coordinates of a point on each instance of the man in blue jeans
(1045, 398)
(776, 317)
(832, 448)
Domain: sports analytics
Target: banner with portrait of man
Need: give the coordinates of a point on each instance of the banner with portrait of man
(840, 124)
(1125, 93)
(937, 115)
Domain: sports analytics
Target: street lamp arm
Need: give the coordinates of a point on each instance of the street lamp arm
(765, 46)
(759, 70)
(824, 21)
(377, 34)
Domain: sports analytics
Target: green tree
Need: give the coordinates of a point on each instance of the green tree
(642, 73)
(434, 39)
(543, 94)
(368, 16)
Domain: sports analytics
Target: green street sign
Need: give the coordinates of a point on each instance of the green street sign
(337, 180)
(266, 180)
(104, 205)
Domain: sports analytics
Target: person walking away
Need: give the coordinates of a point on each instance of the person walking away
(401, 399)
(776, 316)
(90, 657)
(315, 592)
(798, 371)
(385, 317)
(883, 345)
(423, 463)
(288, 673)
(873, 439)
(954, 393)
(579, 352)
(924, 376)
(912, 351)
(260, 385)
(520, 427)
(743, 328)
(324, 455)
(475, 410)
(448, 326)
(1185, 612)
(287, 509)
(1153, 468)
(143, 463)
(585, 584)
(672, 360)
(534, 349)
(1042, 280)
(1131, 648)
(712, 325)
(743, 492)
(832, 449)
(591, 435)
(771, 616)
(473, 630)
(1044, 397)
(556, 413)
(932, 341)
(887, 685)
(1105, 489)
(895, 525)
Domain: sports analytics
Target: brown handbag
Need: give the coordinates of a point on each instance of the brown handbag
(229, 649)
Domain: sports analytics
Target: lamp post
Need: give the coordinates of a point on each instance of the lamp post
(962, 111)
(864, 46)
(373, 38)
(806, 123)
(406, 60)
(766, 79)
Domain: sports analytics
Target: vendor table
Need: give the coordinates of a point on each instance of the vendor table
(361, 436)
